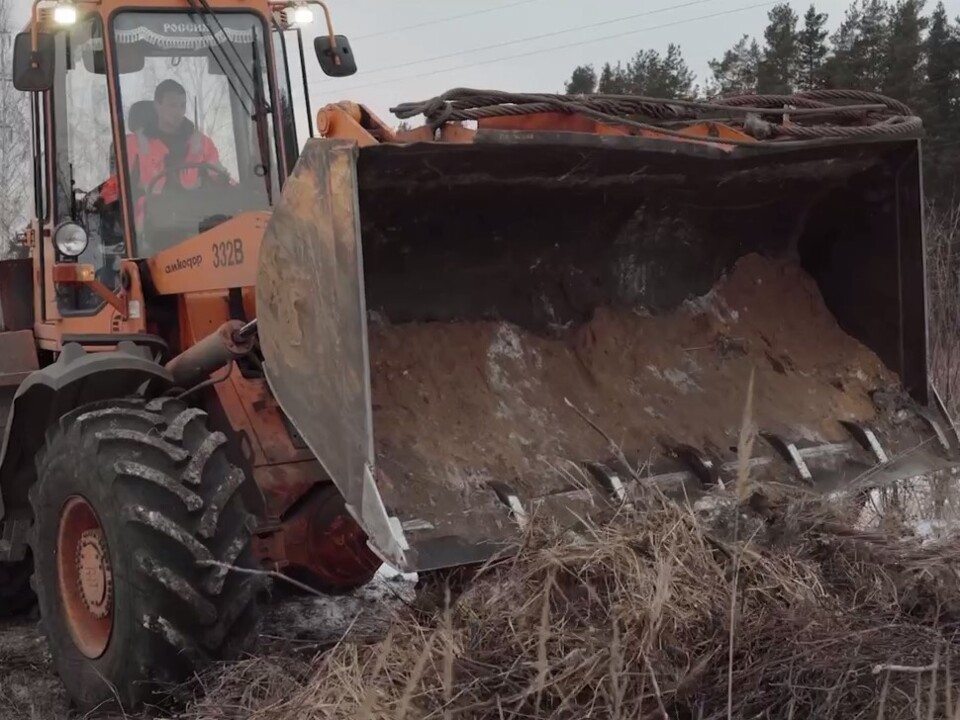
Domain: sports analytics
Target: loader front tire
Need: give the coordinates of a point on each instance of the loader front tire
(132, 502)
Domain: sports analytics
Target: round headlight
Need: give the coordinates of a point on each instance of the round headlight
(70, 239)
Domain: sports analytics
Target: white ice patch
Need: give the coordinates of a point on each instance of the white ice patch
(712, 304)
(710, 508)
(508, 371)
(632, 278)
(505, 346)
(364, 614)
(388, 572)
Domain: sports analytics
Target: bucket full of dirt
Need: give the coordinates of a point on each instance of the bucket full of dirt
(470, 333)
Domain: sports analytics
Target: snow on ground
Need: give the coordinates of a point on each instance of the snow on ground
(359, 615)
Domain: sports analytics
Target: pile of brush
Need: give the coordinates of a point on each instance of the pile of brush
(738, 606)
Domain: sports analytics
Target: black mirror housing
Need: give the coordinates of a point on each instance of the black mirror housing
(33, 72)
(337, 61)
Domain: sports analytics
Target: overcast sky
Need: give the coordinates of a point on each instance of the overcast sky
(540, 41)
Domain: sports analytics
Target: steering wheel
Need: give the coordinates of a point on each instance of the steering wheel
(174, 173)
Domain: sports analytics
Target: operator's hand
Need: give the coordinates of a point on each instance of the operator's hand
(106, 193)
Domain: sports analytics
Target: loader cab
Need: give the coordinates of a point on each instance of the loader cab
(196, 108)
(222, 80)
(151, 126)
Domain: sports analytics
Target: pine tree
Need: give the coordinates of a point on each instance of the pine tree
(736, 72)
(612, 80)
(904, 76)
(649, 73)
(812, 52)
(942, 87)
(583, 81)
(667, 76)
(780, 53)
(860, 47)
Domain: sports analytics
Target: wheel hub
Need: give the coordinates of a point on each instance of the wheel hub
(85, 577)
(95, 579)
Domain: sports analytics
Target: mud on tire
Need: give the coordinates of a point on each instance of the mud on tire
(165, 497)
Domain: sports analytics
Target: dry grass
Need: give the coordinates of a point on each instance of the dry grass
(634, 620)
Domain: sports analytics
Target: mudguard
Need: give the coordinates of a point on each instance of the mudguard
(75, 379)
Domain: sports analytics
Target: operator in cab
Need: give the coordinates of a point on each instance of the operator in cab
(159, 139)
(171, 140)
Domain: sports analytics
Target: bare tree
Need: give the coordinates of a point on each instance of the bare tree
(16, 187)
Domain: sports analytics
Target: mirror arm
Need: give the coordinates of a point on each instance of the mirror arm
(333, 36)
(35, 32)
(326, 14)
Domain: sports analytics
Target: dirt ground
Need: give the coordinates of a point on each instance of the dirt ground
(30, 689)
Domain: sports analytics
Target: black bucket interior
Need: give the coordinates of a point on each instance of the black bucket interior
(540, 233)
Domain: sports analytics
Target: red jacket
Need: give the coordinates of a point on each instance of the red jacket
(147, 158)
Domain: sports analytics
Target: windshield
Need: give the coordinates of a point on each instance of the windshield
(198, 116)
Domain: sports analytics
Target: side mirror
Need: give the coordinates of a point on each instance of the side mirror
(33, 72)
(336, 61)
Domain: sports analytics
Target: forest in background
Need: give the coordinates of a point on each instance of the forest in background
(898, 49)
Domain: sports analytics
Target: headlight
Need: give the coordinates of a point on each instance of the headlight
(302, 15)
(65, 14)
(70, 239)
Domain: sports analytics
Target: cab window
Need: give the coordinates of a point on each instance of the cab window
(85, 161)
(198, 114)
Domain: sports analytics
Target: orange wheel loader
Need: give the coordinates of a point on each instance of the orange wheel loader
(229, 344)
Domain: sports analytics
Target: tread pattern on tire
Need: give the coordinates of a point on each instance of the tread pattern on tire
(182, 512)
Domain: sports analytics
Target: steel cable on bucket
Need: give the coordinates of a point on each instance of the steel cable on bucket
(876, 114)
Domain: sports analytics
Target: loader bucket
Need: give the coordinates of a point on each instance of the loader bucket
(469, 334)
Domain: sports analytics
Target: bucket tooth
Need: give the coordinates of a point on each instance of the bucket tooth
(789, 452)
(611, 482)
(509, 498)
(938, 431)
(706, 469)
(867, 439)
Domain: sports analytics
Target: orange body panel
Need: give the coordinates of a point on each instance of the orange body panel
(346, 120)
(283, 485)
(551, 121)
(248, 405)
(222, 258)
(712, 132)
